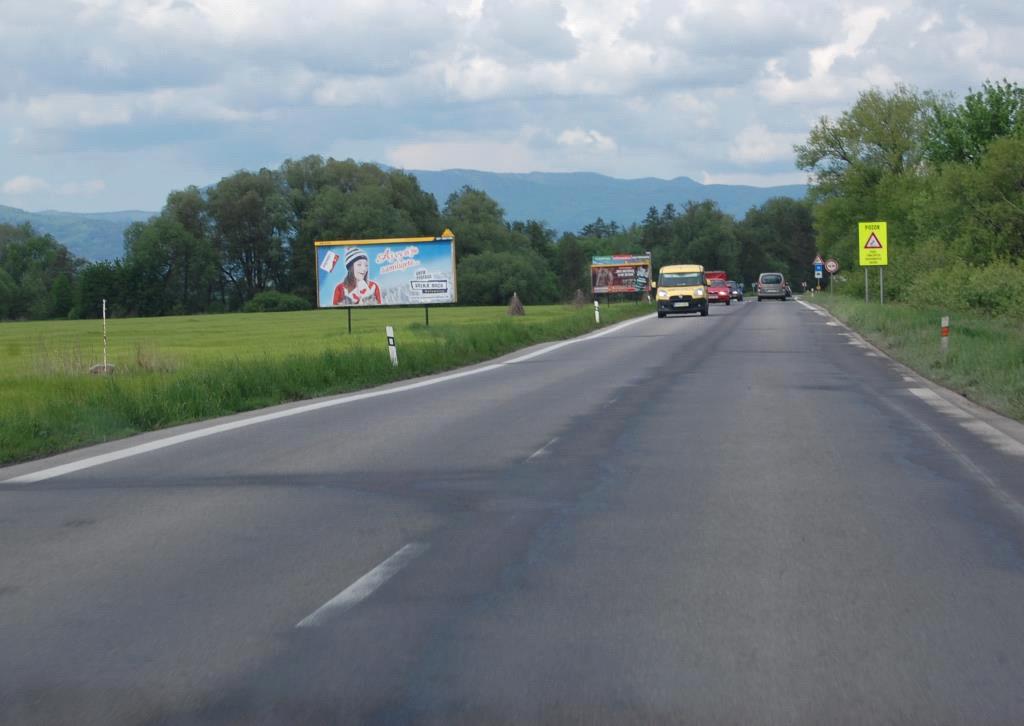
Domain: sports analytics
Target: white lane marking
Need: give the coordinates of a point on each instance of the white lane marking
(564, 343)
(832, 324)
(909, 379)
(993, 436)
(869, 354)
(809, 307)
(364, 586)
(542, 451)
(131, 451)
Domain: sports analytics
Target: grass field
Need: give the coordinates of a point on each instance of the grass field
(179, 369)
(985, 361)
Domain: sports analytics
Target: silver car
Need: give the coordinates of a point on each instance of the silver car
(771, 284)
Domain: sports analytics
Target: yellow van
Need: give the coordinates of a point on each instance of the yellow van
(681, 289)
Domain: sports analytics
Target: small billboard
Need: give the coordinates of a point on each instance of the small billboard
(620, 273)
(397, 271)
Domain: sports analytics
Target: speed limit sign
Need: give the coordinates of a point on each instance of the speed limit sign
(831, 266)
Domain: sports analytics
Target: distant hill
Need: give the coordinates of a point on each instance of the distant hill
(564, 201)
(568, 201)
(94, 236)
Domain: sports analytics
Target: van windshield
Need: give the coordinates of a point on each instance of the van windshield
(680, 279)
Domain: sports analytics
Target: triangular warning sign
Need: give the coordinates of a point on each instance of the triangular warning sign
(872, 243)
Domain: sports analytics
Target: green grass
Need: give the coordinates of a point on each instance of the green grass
(179, 369)
(985, 361)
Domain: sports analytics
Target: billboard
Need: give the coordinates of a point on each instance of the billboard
(620, 273)
(400, 271)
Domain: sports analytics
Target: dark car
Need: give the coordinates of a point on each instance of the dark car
(737, 289)
(771, 285)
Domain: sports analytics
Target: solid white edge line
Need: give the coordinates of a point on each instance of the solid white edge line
(993, 436)
(364, 586)
(131, 451)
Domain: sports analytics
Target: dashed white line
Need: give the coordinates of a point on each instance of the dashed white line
(542, 451)
(364, 586)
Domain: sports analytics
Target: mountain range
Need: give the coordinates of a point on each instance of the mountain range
(564, 201)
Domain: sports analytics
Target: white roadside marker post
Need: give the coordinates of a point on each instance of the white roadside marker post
(597, 312)
(105, 369)
(944, 333)
(392, 350)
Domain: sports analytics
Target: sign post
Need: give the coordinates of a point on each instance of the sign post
(874, 252)
(831, 267)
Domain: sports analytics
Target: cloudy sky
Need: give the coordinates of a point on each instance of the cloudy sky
(111, 104)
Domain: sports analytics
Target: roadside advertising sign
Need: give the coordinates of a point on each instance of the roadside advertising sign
(874, 244)
(620, 273)
(398, 271)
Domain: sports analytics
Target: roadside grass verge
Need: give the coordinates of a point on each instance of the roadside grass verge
(178, 370)
(985, 361)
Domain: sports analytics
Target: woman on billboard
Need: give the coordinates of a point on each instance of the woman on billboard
(357, 288)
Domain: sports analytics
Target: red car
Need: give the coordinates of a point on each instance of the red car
(719, 291)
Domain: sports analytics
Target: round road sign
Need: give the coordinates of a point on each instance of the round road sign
(832, 266)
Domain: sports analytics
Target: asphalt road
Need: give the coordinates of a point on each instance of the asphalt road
(745, 518)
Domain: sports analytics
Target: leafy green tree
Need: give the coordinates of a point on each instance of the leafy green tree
(963, 132)
(572, 267)
(478, 223)
(251, 221)
(34, 263)
(100, 281)
(866, 165)
(777, 236)
(490, 278)
(61, 295)
(168, 269)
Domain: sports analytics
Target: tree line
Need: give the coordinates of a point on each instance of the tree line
(948, 178)
(246, 243)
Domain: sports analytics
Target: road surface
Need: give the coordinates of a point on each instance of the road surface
(745, 518)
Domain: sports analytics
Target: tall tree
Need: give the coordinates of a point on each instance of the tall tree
(251, 221)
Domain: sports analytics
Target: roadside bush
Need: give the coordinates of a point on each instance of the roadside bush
(272, 301)
(996, 289)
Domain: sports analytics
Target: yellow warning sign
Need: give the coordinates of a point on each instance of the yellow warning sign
(874, 244)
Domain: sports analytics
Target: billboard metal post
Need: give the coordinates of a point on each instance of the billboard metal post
(865, 284)
(881, 286)
(349, 320)
(426, 313)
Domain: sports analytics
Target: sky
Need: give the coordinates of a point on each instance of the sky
(112, 104)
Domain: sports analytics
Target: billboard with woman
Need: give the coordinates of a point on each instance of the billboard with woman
(399, 271)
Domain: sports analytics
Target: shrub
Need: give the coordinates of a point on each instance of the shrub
(272, 301)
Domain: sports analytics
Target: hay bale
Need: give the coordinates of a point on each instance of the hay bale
(515, 306)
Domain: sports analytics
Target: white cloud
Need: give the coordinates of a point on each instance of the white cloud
(512, 156)
(629, 88)
(822, 82)
(24, 185)
(753, 179)
(590, 139)
(756, 145)
(82, 189)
